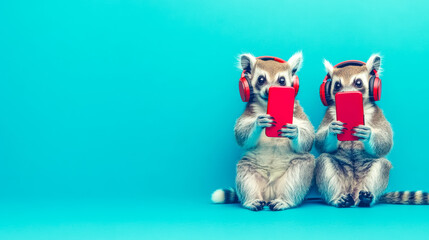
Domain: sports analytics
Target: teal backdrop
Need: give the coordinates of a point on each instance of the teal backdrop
(106, 105)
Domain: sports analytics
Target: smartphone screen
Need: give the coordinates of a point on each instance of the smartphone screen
(349, 106)
(280, 107)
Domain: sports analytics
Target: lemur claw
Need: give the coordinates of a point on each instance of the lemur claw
(265, 120)
(336, 127)
(363, 132)
(289, 130)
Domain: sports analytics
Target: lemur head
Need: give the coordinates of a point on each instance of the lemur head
(264, 74)
(353, 78)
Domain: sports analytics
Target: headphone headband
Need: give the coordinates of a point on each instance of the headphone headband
(349, 63)
(354, 63)
(267, 58)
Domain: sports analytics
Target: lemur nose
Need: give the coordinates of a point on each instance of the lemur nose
(266, 92)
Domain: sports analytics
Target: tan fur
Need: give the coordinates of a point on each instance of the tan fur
(418, 197)
(346, 73)
(405, 196)
(271, 67)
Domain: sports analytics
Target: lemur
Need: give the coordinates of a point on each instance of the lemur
(356, 173)
(274, 172)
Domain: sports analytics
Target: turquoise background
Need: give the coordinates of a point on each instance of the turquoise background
(116, 117)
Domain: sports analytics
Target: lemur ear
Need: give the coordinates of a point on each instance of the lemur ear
(374, 62)
(247, 61)
(328, 67)
(295, 62)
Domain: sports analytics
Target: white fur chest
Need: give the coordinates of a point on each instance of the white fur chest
(368, 113)
(271, 152)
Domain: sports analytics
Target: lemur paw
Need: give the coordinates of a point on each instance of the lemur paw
(289, 130)
(363, 132)
(265, 120)
(336, 127)
(345, 201)
(365, 199)
(255, 205)
(278, 205)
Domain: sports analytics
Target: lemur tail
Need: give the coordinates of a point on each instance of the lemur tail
(225, 196)
(405, 197)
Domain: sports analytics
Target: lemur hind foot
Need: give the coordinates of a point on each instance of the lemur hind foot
(345, 201)
(365, 199)
(278, 205)
(255, 205)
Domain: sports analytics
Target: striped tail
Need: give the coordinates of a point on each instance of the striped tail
(405, 197)
(225, 196)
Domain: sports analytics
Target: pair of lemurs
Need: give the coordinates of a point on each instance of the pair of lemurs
(278, 172)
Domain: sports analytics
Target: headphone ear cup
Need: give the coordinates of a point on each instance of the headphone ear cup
(295, 84)
(324, 92)
(243, 86)
(328, 92)
(375, 88)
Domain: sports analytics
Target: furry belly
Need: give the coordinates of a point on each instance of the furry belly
(270, 163)
(351, 145)
(352, 150)
(269, 173)
(270, 157)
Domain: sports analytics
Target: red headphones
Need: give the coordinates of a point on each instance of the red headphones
(246, 88)
(374, 83)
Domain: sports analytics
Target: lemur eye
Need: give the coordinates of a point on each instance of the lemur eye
(282, 81)
(261, 80)
(337, 85)
(358, 83)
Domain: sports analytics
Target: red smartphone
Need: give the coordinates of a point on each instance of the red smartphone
(349, 107)
(280, 107)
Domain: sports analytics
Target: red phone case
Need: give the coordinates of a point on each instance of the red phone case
(349, 110)
(280, 107)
